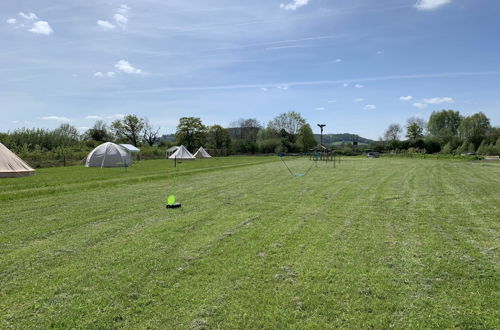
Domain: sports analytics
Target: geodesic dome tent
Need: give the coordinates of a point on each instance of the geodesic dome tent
(11, 166)
(109, 155)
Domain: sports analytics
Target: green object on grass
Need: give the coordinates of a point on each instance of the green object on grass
(171, 200)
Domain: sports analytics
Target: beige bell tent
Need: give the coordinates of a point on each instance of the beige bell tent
(202, 153)
(182, 154)
(109, 155)
(12, 166)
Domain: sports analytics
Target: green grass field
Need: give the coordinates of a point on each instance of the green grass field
(373, 243)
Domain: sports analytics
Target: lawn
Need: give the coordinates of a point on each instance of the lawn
(404, 243)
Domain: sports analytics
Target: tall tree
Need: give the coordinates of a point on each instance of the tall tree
(218, 137)
(393, 132)
(128, 128)
(415, 128)
(99, 132)
(473, 129)
(289, 122)
(306, 138)
(190, 132)
(150, 134)
(444, 125)
(68, 133)
(246, 129)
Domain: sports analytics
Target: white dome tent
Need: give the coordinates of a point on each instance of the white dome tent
(202, 153)
(109, 155)
(11, 166)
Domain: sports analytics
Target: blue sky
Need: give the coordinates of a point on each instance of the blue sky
(355, 65)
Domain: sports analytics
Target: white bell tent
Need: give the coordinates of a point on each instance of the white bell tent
(182, 154)
(202, 153)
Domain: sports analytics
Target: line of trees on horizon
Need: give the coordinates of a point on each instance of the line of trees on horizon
(447, 132)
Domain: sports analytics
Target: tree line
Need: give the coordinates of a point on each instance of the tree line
(447, 132)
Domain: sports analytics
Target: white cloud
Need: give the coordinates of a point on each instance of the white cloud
(370, 107)
(15, 122)
(294, 4)
(264, 89)
(121, 20)
(406, 98)
(283, 87)
(41, 27)
(345, 84)
(98, 74)
(26, 23)
(29, 17)
(439, 100)
(94, 117)
(57, 118)
(430, 4)
(320, 108)
(332, 101)
(124, 9)
(338, 60)
(359, 100)
(117, 115)
(419, 105)
(106, 25)
(359, 86)
(124, 66)
(110, 74)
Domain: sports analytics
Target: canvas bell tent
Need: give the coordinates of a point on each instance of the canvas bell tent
(171, 150)
(202, 153)
(182, 154)
(109, 155)
(12, 166)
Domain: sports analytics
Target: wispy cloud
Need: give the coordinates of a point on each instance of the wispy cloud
(439, 100)
(320, 108)
(359, 86)
(109, 74)
(420, 105)
(126, 67)
(11, 21)
(29, 17)
(106, 25)
(343, 82)
(370, 107)
(406, 98)
(120, 19)
(94, 117)
(358, 100)
(57, 118)
(294, 4)
(430, 4)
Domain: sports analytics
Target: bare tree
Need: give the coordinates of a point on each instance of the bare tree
(150, 134)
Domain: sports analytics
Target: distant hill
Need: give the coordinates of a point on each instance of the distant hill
(329, 139)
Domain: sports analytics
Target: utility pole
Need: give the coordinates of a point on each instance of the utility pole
(321, 138)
